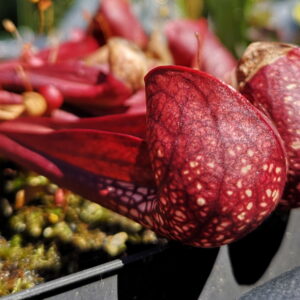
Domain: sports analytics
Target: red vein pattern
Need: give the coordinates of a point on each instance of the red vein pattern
(275, 88)
(219, 164)
(210, 170)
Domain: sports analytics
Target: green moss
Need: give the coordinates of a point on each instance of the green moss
(40, 235)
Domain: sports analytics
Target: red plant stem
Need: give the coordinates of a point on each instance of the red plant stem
(214, 57)
(107, 92)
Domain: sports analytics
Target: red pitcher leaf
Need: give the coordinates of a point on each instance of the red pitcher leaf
(219, 165)
(215, 58)
(268, 76)
(113, 155)
(69, 50)
(116, 18)
(59, 114)
(27, 158)
(136, 103)
(106, 92)
(10, 98)
(130, 124)
(66, 52)
(75, 71)
(124, 197)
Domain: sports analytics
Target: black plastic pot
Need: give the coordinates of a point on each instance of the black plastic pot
(181, 272)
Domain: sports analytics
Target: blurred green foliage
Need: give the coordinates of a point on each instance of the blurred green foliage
(25, 13)
(8, 11)
(229, 22)
(236, 22)
(228, 18)
(191, 8)
(28, 14)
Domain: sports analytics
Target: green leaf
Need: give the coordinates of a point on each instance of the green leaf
(228, 17)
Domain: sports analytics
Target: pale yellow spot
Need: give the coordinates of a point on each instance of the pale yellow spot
(238, 148)
(211, 165)
(198, 157)
(291, 86)
(198, 172)
(271, 168)
(248, 193)
(241, 228)
(193, 164)
(163, 200)
(250, 152)
(180, 214)
(185, 172)
(277, 170)
(220, 237)
(269, 192)
(228, 241)
(229, 193)
(225, 224)
(241, 216)
(295, 145)
(201, 201)
(231, 152)
(189, 178)
(246, 169)
(160, 153)
(199, 186)
(288, 98)
(239, 184)
(265, 167)
(275, 195)
(263, 213)
(263, 204)
(249, 205)
(224, 209)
